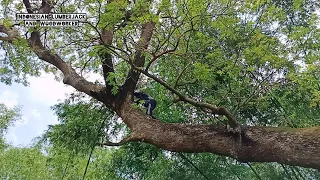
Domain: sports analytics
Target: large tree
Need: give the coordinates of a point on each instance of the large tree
(206, 63)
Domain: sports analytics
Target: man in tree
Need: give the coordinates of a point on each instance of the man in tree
(149, 102)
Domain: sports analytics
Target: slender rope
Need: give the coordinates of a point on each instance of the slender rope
(255, 172)
(66, 167)
(92, 149)
(193, 165)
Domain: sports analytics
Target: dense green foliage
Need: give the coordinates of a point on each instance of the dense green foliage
(8, 116)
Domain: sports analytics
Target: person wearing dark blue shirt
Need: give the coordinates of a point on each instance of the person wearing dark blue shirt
(149, 102)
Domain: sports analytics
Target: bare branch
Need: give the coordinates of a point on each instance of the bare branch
(155, 57)
(180, 75)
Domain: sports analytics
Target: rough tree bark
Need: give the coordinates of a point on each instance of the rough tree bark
(256, 144)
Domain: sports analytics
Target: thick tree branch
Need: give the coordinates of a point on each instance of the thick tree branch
(28, 6)
(46, 6)
(139, 58)
(70, 75)
(107, 64)
(259, 144)
(106, 37)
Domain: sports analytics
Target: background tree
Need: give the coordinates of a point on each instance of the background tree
(206, 62)
(8, 116)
